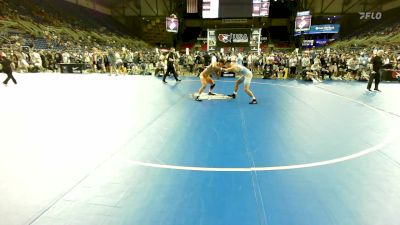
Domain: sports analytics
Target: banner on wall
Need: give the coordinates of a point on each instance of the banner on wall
(233, 37)
(322, 29)
(255, 40)
(325, 29)
(308, 43)
(211, 40)
(321, 42)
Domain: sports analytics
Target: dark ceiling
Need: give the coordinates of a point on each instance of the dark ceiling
(108, 3)
(113, 3)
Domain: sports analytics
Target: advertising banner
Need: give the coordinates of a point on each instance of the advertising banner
(325, 29)
(233, 37)
(321, 42)
(255, 40)
(211, 40)
(322, 29)
(308, 43)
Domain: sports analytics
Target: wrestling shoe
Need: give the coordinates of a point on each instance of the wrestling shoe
(197, 98)
(232, 96)
(210, 93)
(377, 90)
(253, 101)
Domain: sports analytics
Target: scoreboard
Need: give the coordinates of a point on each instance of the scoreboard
(213, 9)
(260, 8)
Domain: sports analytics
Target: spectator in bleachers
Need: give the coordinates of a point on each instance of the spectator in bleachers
(127, 59)
(198, 63)
(316, 71)
(317, 60)
(308, 75)
(342, 66)
(101, 62)
(190, 63)
(44, 60)
(86, 59)
(362, 67)
(250, 61)
(268, 61)
(160, 67)
(305, 61)
(22, 64)
(119, 64)
(258, 64)
(207, 59)
(239, 59)
(66, 57)
(112, 62)
(36, 61)
(352, 67)
(93, 58)
(333, 64)
(58, 58)
(292, 65)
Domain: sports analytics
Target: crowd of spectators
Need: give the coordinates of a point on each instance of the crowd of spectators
(44, 50)
(29, 30)
(319, 64)
(313, 64)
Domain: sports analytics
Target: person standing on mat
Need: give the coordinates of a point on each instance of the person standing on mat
(205, 77)
(6, 68)
(170, 65)
(245, 75)
(377, 63)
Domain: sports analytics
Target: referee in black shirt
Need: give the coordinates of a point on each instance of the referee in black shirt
(6, 64)
(376, 67)
(170, 65)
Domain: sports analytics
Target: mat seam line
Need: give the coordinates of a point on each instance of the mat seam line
(254, 177)
(110, 157)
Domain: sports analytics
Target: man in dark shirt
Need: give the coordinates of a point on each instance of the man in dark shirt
(6, 64)
(207, 59)
(170, 65)
(376, 66)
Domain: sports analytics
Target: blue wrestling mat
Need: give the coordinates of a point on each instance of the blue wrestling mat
(324, 154)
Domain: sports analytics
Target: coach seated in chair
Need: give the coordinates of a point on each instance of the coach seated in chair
(308, 74)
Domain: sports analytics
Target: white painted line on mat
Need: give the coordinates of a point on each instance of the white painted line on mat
(388, 139)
